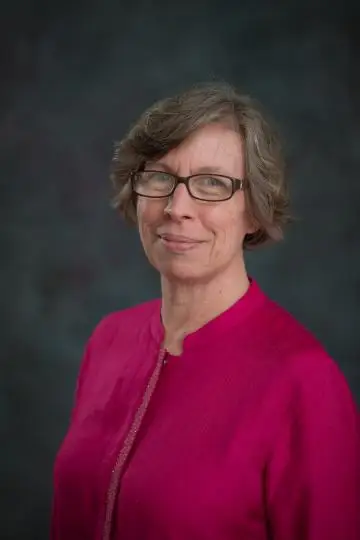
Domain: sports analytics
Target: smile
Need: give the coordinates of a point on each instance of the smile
(178, 243)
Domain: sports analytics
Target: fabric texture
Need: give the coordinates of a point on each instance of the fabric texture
(252, 433)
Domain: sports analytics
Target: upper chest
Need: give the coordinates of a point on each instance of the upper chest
(200, 454)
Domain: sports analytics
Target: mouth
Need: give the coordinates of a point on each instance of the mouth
(177, 243)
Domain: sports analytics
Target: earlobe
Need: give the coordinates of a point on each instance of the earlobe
(252, 224)
(253, 228)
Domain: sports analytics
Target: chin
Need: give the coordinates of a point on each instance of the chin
(178, 271)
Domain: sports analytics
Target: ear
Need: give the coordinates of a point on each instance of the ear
(252, 225)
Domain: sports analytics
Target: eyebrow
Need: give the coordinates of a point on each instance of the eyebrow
(200, 170)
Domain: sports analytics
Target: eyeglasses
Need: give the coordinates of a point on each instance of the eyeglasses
(204, 186)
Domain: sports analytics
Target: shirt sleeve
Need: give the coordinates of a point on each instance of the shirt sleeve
(97, 342)
(80, 377)
(313, 475)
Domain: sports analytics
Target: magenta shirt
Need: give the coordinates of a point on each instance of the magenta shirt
(252, 433)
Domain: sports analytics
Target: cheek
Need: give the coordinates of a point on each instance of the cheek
(229, 237)
(229, 225)
(141, 209)
(149, 211)
(144, 212)
(148, 216)
(142, 219)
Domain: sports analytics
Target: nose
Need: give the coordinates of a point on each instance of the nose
(180, 205)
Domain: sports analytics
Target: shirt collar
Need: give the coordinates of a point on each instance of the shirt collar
(234, 316)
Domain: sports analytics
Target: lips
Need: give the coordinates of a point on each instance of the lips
(178, 238)
(178, 243)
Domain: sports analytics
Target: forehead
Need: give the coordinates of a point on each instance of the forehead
(214, 147)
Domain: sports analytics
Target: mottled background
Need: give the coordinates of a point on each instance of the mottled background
(73, 76)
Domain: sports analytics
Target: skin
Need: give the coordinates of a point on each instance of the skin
(203, 273)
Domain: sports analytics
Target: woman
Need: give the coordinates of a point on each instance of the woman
(210, 414)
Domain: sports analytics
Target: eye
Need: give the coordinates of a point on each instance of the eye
(213, 181)
(160, 176)
(211, 187)
(153, 183)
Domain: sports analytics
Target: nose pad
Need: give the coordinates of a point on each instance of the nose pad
(179, 203)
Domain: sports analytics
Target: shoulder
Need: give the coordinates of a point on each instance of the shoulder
(300, 360)
(307, 393)
(286, 337)
(114, 335)
(125, 322)
(319, 385)
(317, 411)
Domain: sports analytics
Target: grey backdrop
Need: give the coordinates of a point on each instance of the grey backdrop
(72, 79)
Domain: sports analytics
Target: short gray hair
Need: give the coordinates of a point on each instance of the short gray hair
(167, 123)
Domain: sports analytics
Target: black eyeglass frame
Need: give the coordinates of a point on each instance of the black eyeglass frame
(236, 183)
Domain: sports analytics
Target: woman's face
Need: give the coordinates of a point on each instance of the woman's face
(188, 239)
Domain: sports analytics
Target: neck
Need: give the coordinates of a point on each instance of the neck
(186, 307)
